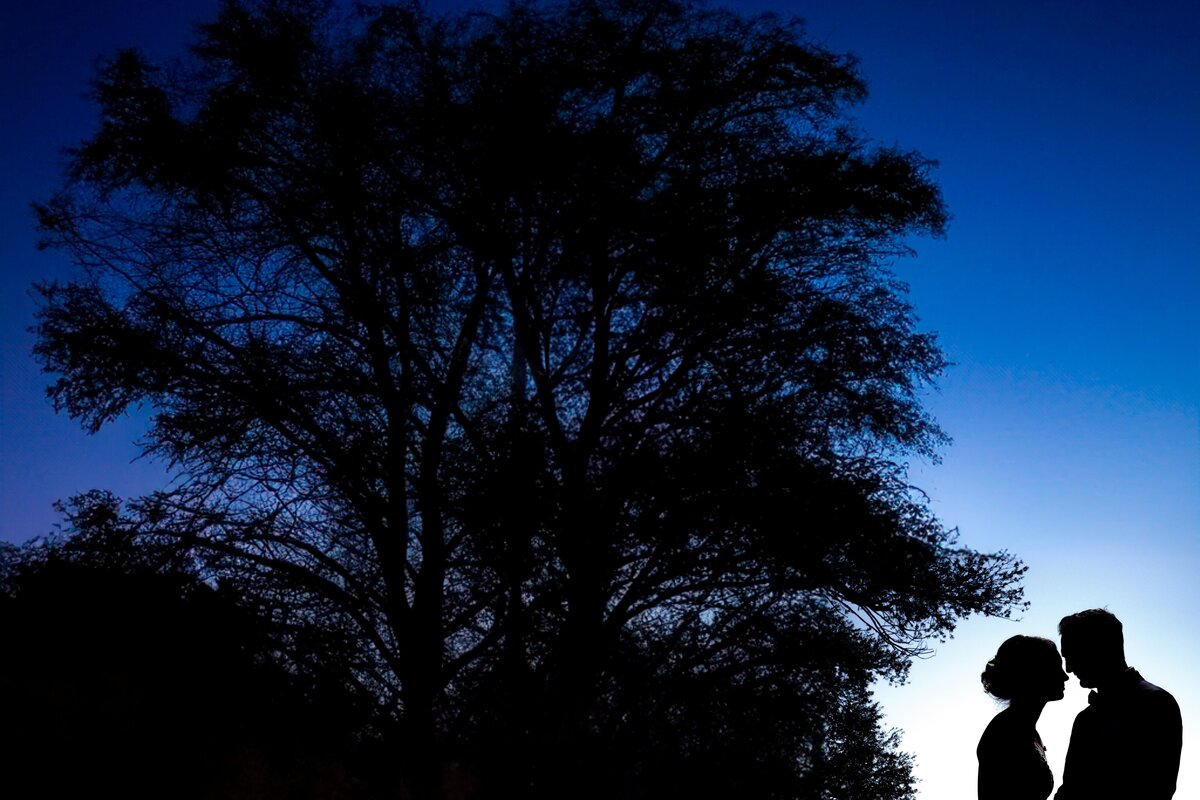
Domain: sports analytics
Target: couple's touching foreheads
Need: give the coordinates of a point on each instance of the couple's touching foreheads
(1124, 745)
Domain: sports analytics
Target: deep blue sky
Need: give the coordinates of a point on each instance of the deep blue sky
(1067, 139)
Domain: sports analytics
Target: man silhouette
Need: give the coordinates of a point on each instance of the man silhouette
(1125, 745)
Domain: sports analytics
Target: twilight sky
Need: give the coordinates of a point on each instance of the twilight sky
(1066, 133)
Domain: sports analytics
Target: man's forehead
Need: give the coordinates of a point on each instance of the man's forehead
(1075, 641)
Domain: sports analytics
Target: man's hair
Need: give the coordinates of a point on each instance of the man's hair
(1098, 626)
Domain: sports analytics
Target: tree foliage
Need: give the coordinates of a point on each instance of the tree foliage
(124, 673)
(552, 357)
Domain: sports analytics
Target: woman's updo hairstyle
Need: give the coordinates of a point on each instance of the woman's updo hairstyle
(1018, 659)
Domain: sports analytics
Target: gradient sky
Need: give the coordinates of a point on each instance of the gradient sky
(1067, 135)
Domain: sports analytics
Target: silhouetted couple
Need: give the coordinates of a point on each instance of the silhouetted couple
(1125, 745)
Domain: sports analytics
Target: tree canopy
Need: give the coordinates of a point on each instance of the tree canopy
(551, 357)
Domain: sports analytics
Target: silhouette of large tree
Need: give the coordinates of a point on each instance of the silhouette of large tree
(553, 351)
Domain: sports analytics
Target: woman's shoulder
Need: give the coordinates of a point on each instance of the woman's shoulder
(1001, 734)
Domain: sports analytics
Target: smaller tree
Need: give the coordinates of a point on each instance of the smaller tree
(126, 673)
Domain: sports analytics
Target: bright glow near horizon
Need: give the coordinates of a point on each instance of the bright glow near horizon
(1113, 523)
(1104, 512)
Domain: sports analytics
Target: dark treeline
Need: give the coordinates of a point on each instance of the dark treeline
(537, 392)
(124, 674)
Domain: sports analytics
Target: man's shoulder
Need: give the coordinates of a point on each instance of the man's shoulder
(1152, 692)
(1154, 701)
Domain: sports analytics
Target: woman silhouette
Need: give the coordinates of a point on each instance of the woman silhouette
(1027, 672)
